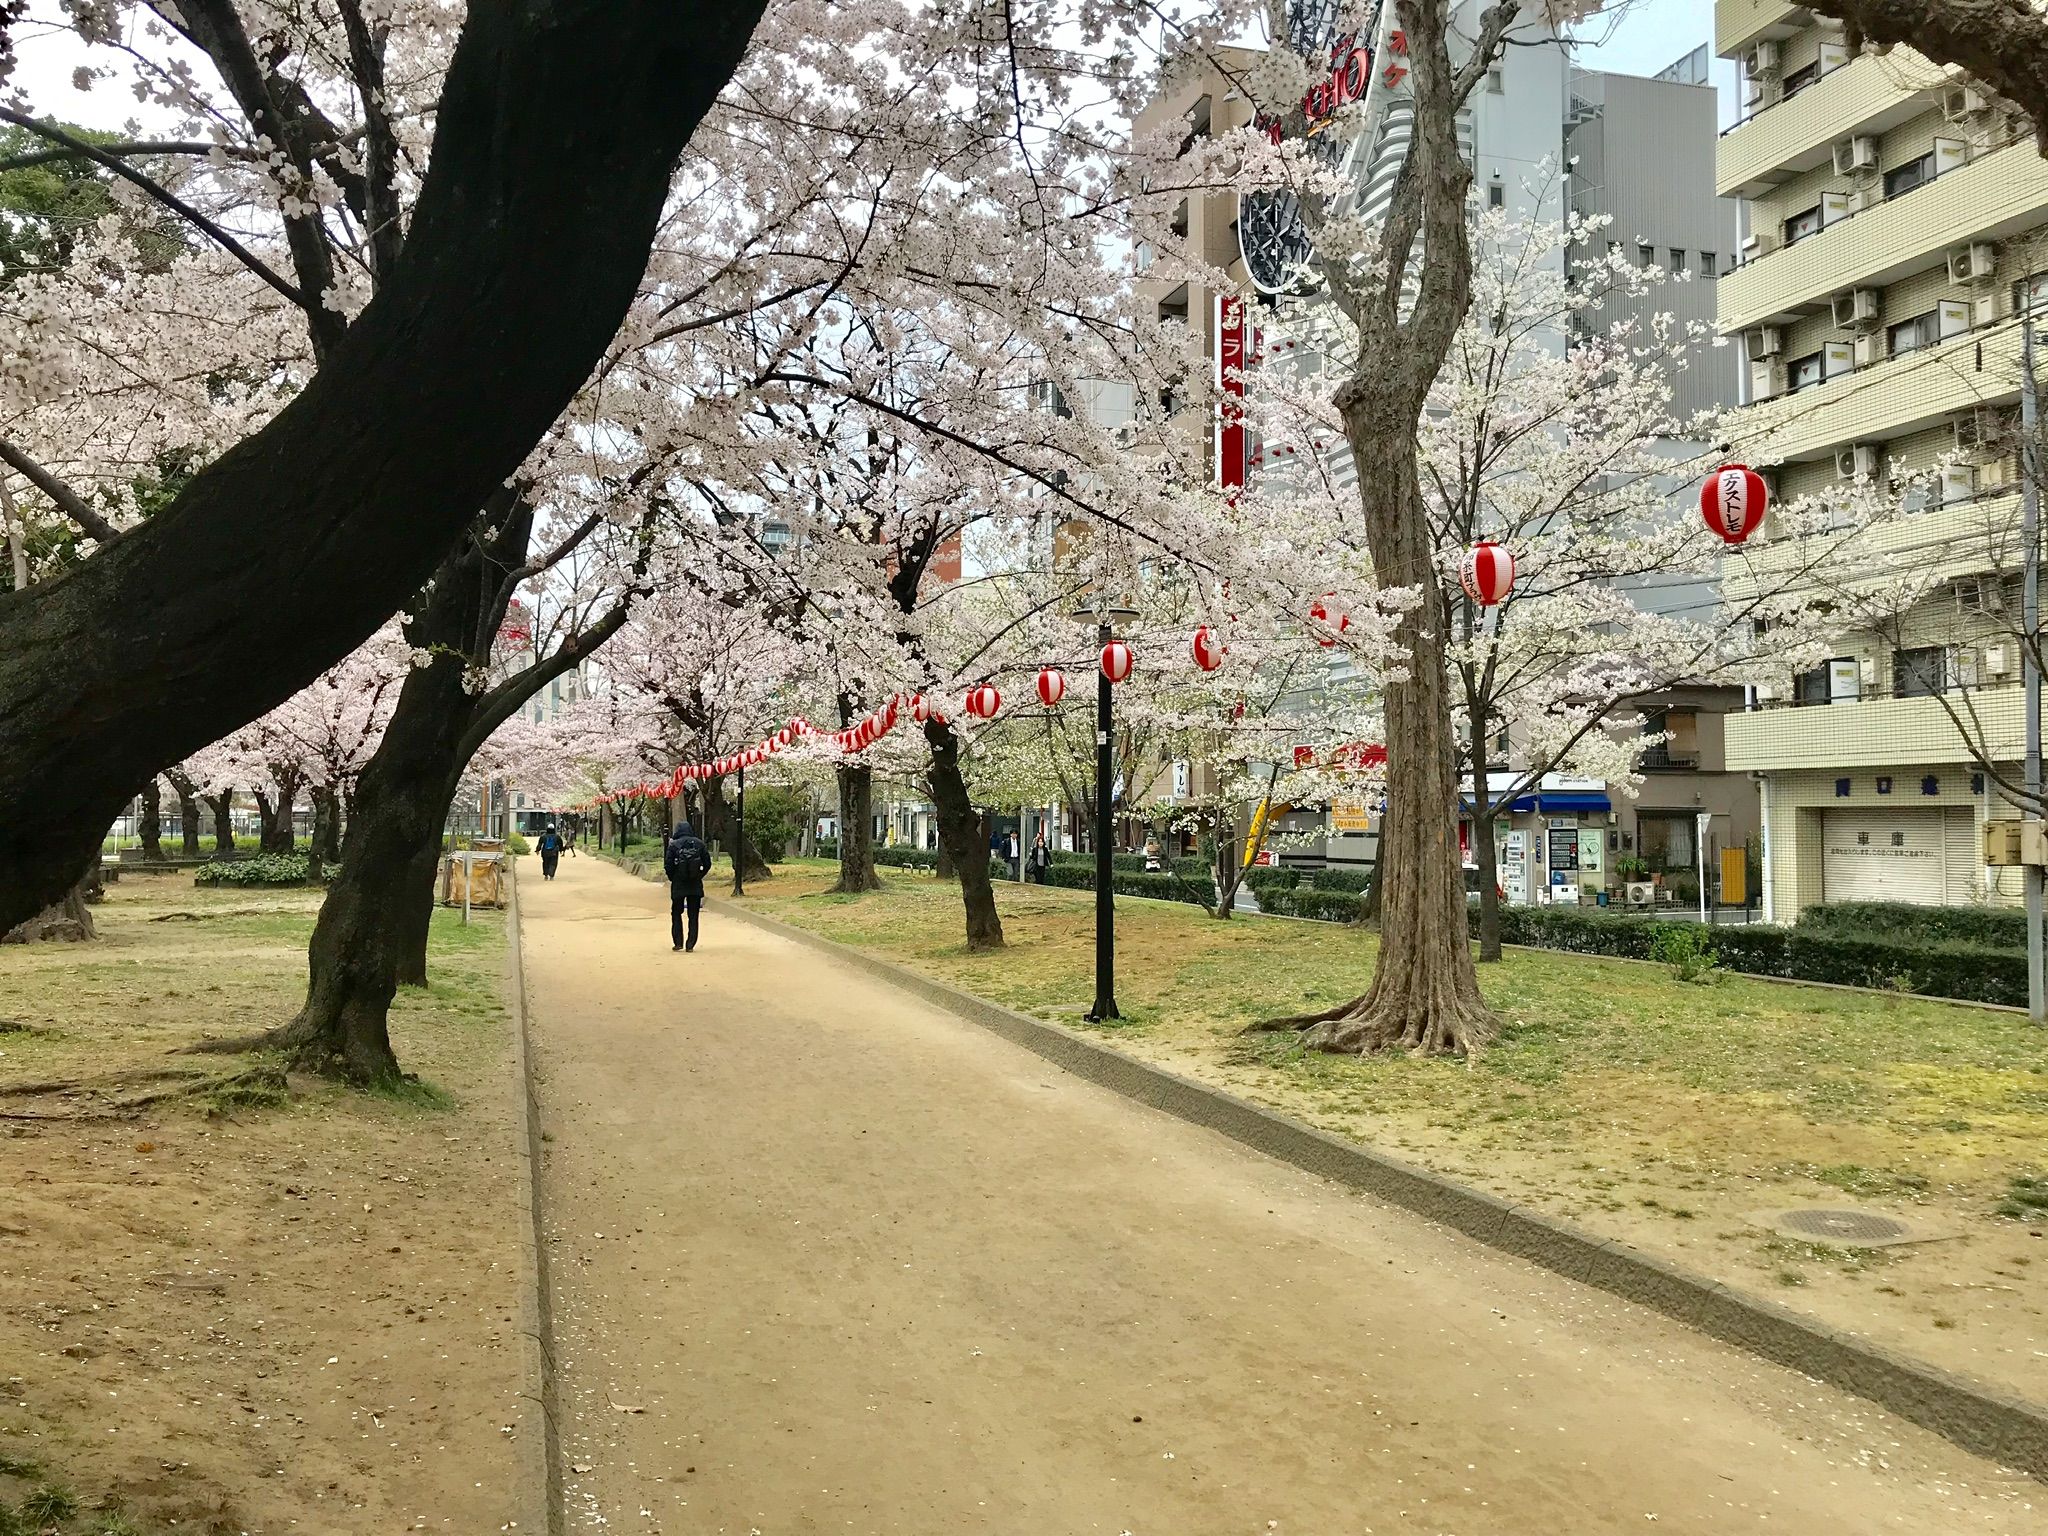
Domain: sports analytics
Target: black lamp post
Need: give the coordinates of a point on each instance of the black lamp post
(739, 838)
(1105, 1008)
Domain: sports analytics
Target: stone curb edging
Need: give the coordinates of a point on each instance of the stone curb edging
(539, 1493)
(1974, 1415)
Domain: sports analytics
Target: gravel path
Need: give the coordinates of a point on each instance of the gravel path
(829, 1260)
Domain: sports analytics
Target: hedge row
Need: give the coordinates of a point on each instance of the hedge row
(1311, 901)
(1977, 927)
(1134, 864)
(1160, 887)
(928, 859)
(1796, 954)
(828, 848)
(265, 869)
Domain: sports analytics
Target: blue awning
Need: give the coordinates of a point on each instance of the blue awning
(1554, 802)
(1586, 800)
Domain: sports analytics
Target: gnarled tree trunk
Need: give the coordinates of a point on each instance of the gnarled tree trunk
(856, 830)
(222, 806)
(188, 813)
(68, 919)
(149, 827)
(960, 838)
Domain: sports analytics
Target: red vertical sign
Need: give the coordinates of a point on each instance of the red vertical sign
(1231, 362)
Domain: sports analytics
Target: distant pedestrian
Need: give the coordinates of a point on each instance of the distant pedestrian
(550, 851)
(687, 862)
(1154, 859)
(1041, 860)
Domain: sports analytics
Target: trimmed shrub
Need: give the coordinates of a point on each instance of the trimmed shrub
(1352, 880)
(1190, 868)
(1979, 927)
(908, 858)
(266, 869)
(1158, 887)
(1795, 954)
(828, 848)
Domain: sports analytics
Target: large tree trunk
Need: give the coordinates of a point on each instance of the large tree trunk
(557, 129)
(188, 813)
(279, 833)
(67, 919)
(1425, 992)
(222, 806)
(316, 845)
(150, 826)
(960, 838)
(856, 830)
(330, 846)
(722, 826)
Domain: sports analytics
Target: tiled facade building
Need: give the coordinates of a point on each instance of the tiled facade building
(1895, 222)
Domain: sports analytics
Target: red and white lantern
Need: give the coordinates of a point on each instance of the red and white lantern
(1208, 649)
(920, 708)
(1733, 502)
(1319, 611)
(1488, 574)
(1052, 686)
(983, 702)
(1116, 661)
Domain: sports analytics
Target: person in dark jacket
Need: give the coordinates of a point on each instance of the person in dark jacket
(550, 851)
(1041, 860)
(687, 861)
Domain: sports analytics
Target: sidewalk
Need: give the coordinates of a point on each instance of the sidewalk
(861, 1267)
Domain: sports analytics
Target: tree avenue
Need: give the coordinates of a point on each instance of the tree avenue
(741, 349)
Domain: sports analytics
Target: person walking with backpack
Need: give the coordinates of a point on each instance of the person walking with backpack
(687, 861)
(550, 851)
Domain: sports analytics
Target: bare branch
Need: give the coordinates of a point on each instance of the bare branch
(68, 501)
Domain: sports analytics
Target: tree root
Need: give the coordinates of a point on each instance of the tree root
(98, 1098)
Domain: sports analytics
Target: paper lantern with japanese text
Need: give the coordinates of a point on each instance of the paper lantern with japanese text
(1733, 502)
(1488, 573)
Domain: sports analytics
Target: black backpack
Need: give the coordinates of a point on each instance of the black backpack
(688, 859)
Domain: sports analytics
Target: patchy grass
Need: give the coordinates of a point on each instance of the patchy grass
(244, 1247)
(1615, 1095)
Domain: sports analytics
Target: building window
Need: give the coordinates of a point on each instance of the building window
(1800, 225)
(1841, 789)
(1920, 672)
(1678, 260)
(1901, 179)
(1496, 195)
(1800, 79)
(1911, 335)
(1930, 785)
(1646, 256)
(1804, 372)
(2030, 293)
(1496, 80)
(1706, 263)
(1813, 687)
(1665, 843)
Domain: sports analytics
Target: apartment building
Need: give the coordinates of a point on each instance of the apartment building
(1895, 221)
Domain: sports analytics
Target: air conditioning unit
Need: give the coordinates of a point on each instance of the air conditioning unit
(1993, 475)
(1859, 459)
(1858, 308)
(1972, 263)
(1641, 893)
(1866, 350)
(1998, 661)
(1760, 242)
(1961, 103)
(1856, 154)
(1980, 595)
(1765, 341)
(1762, 59)
(1958, 483)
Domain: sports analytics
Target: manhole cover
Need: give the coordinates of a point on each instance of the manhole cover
(1856, 1229)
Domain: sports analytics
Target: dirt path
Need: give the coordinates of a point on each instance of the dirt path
(828, 1260)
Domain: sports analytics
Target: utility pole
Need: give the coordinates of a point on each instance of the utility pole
(2030, 623)
(1105, 866)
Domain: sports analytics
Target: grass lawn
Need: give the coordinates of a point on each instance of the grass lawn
(212, 1307)
(1643, 1107)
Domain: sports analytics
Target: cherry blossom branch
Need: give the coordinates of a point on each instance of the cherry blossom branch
(138, 147)
(169, 199)
(68, 501)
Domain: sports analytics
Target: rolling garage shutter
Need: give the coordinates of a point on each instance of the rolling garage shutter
(1889, 855)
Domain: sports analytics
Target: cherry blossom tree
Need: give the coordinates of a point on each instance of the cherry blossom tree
(499, 285)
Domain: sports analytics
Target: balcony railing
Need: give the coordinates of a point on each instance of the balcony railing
(1655, 759)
